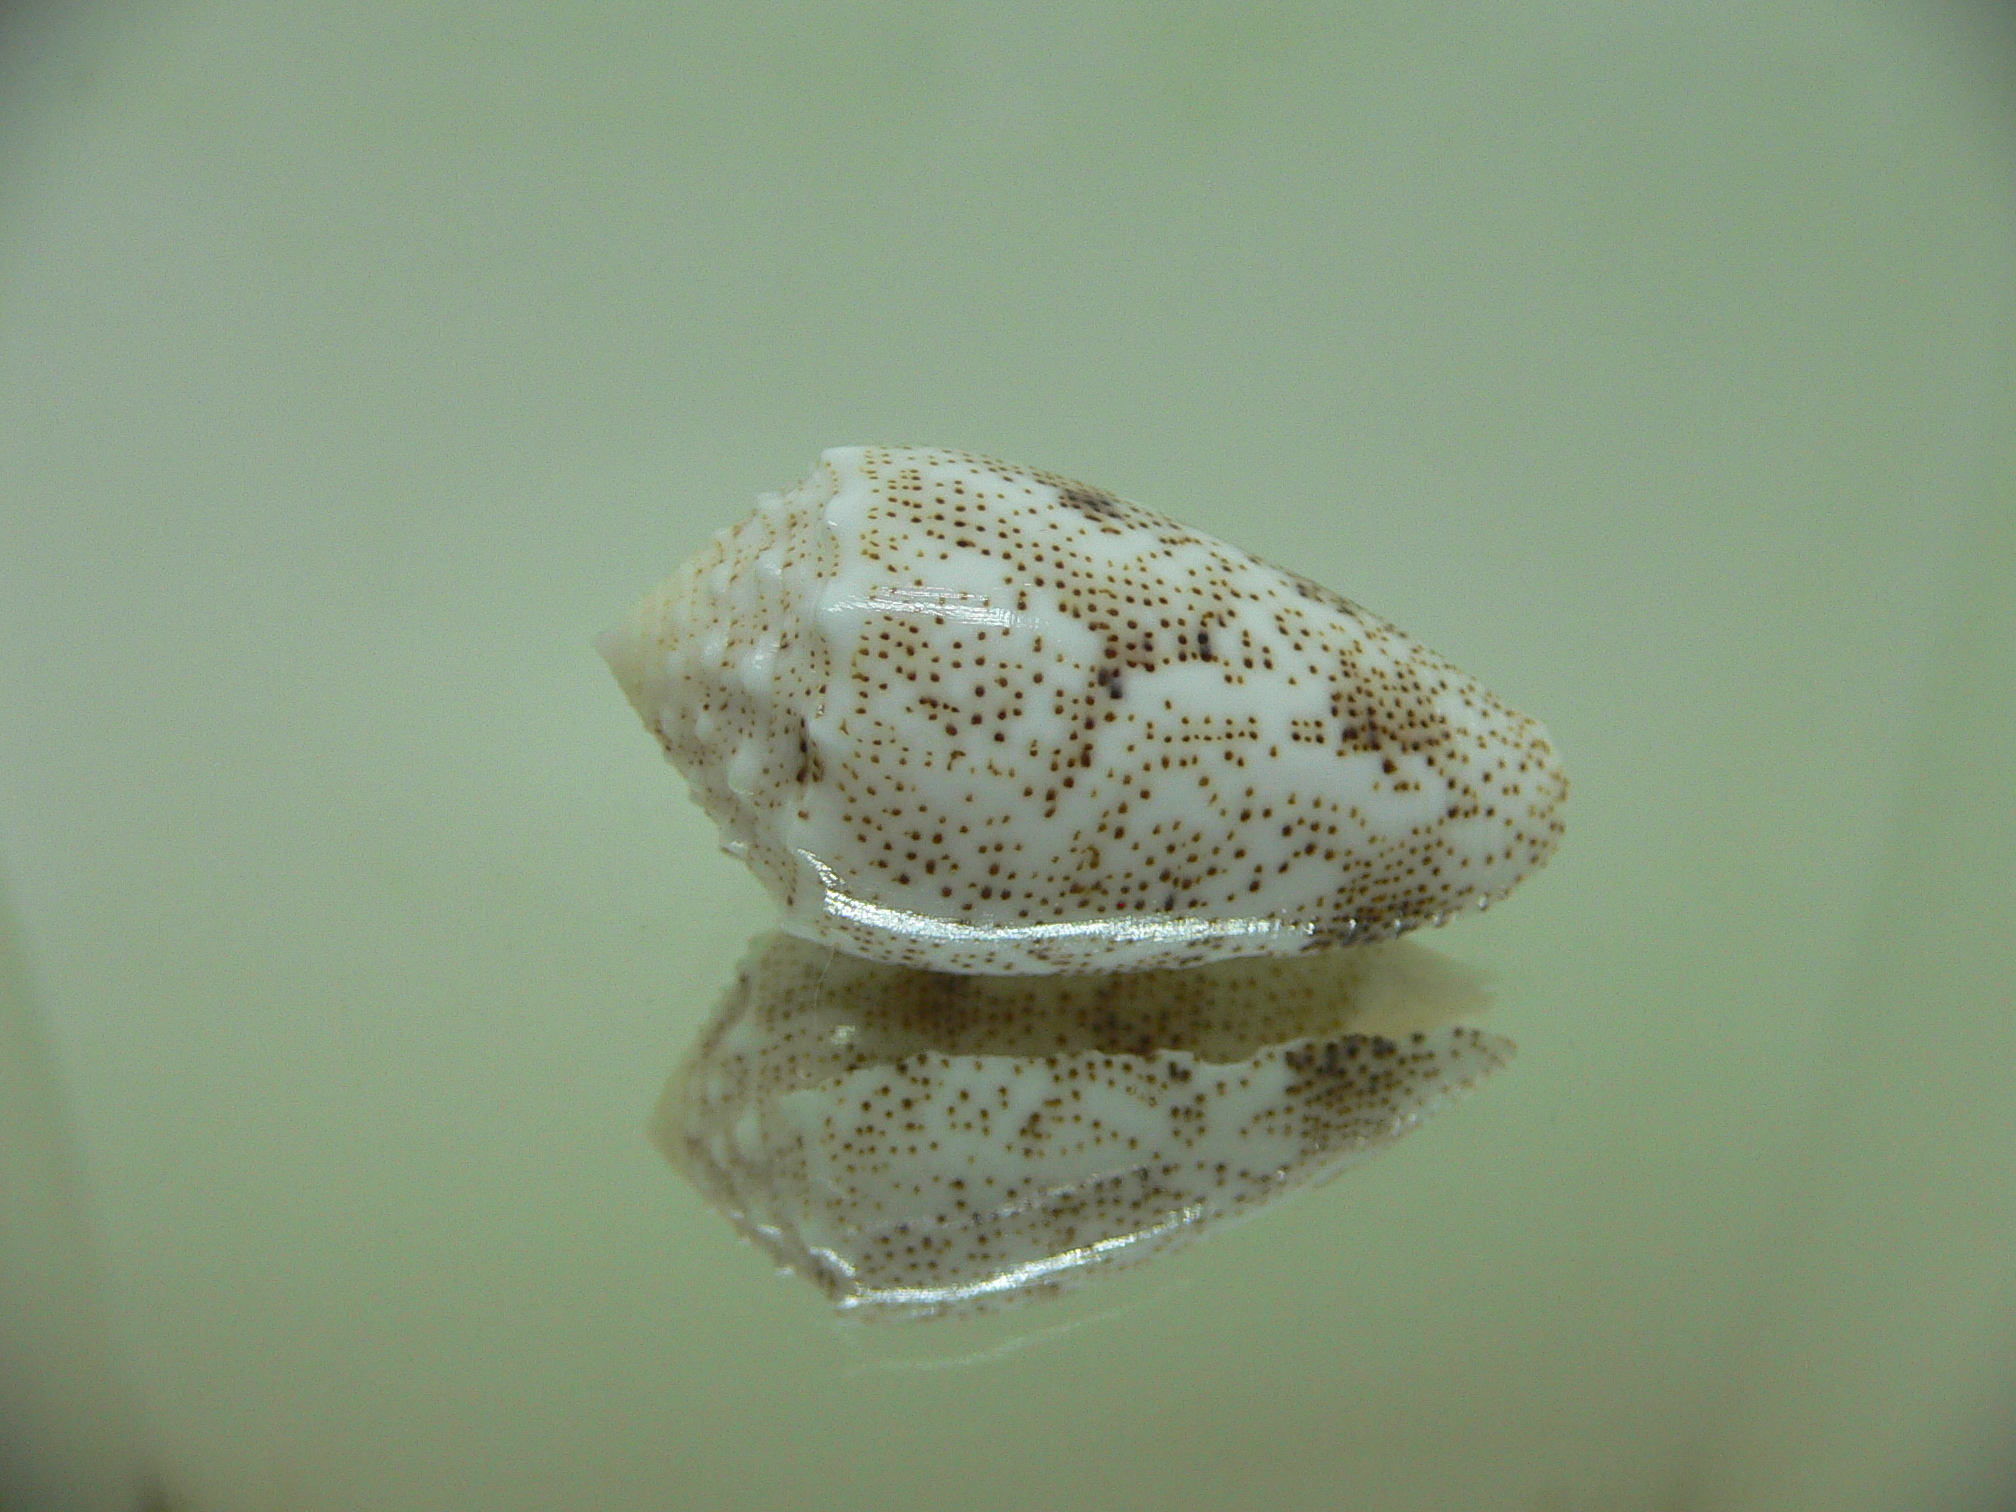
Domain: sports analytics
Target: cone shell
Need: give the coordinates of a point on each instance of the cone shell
(970, 717)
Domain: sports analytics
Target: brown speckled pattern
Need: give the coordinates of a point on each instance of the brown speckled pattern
(968, 716)
(917, 1144)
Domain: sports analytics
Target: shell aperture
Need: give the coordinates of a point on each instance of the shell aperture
(965, 716)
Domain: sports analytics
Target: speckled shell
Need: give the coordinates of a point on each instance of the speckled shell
(961, 715)
(917, 1144)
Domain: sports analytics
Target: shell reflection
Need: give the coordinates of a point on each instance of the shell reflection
(919, 1144)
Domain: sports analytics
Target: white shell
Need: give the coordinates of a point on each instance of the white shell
(961, 715)
(918, 1144)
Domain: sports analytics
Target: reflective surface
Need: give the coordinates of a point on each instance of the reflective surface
(355, 361)
(919, 1145)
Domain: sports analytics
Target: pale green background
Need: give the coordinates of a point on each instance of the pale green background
(358, 361)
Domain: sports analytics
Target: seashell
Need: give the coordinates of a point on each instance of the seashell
(919, 1144)
(961, 715)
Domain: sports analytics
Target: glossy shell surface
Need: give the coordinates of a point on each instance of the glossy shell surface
(971, 717)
